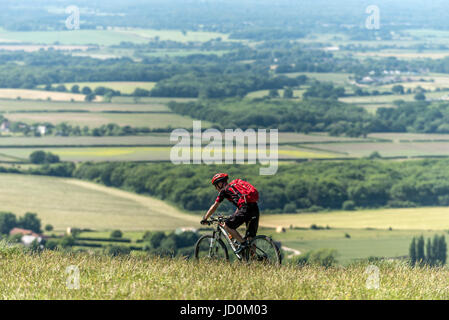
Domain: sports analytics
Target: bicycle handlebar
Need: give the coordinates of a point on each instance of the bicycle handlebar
(218, 219)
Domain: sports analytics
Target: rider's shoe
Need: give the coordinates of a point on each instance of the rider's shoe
(242, 247)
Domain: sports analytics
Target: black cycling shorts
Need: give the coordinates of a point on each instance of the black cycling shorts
(248, 214)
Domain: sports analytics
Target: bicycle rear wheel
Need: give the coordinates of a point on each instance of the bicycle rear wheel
(262, 249)
(208, 248)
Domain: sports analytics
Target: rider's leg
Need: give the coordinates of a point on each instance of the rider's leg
(252, 225)
(234, 233)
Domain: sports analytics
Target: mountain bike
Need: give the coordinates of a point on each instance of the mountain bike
(261, 249)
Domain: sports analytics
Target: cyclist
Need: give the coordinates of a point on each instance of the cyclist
(244, 196)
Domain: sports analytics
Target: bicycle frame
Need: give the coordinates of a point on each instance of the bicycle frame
(221, 231)
(253, 252)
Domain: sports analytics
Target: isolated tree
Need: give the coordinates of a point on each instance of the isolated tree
(288, 93)
(420, 96)
(61, 88)
(41, 157)
(37, 157)
(420, 256)
(51, 158)
(75, 89)
(48, 227)
(30, 221)
(430, 252)
(435, 255)
(108, 97)
(7, 222)
(116, 234)
(89, 97)
(86, 90)
(398, 89)
(273, 93)
(442, 250)
(412, 252)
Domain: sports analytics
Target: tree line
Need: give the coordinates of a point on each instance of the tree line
(295, 188)
(311, 115)
(65, 129)
(319, 115)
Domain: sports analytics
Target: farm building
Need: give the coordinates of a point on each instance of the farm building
(4, 127)
(28, 236)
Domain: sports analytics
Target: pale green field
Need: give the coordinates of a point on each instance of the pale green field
(318, 137)
(93, 120)
(11, 106)
(74, 203)
(363, 243)
(387, 149)
(427, 218)
(95, 153)
(136, 153)
(285, 138)
(105, 37)
(154, 140)
(410, 136)
(126, 87)
(388, 99)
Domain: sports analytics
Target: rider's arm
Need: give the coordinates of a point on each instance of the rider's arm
(211, 210)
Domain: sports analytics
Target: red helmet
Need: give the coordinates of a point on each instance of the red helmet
(219, 177)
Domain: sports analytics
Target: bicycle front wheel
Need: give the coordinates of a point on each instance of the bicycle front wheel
(262, 249)
(209, 248)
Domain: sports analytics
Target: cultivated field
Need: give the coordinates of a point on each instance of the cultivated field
(74, 203)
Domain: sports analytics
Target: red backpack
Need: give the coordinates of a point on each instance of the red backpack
(245, 190)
